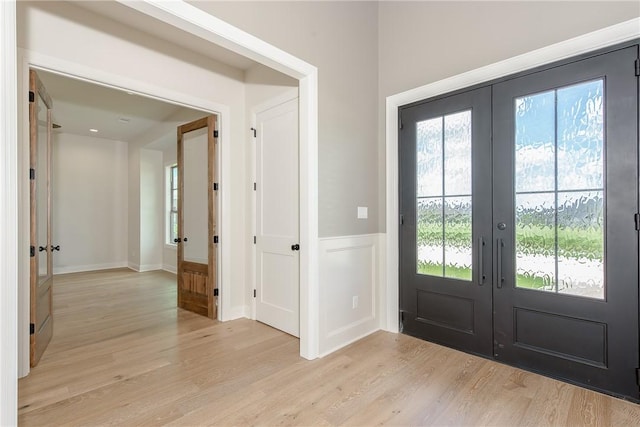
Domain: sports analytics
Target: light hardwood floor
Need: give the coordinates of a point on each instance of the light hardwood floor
(123, 354)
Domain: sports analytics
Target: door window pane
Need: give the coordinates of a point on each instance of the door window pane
(429, 158)
(559, 171)
(430, 228)
(443, 199)
(457, 237)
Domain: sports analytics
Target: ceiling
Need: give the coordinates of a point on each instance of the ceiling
(132, 18)
(116, 114)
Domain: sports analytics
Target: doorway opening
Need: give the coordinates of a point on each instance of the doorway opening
(103, 181)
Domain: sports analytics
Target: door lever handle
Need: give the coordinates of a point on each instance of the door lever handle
(42, 248)
(178, 240)
(55, 248)
(481, 276)
(295, 247)
(185, 239)
(500, 277)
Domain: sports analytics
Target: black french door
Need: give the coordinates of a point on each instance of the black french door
(445, 191)
(519, 203)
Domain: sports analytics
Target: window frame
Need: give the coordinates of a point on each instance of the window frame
(171, 210)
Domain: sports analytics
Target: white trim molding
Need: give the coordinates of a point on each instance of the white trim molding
(8, 216)
(589, 42)
(90, 267)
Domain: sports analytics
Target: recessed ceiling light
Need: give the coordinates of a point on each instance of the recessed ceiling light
(93, 130)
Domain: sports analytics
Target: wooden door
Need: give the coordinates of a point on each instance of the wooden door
(41, 266)
(197, 226)
(277, 228)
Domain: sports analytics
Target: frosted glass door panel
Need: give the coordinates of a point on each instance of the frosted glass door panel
(42, 192)
(444, 239)
(559, 171)
(195, 201)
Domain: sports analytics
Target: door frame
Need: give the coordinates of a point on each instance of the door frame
(194, 21)
(287, 95)
(609, 36)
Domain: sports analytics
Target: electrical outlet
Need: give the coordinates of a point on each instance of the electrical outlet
(355, 302)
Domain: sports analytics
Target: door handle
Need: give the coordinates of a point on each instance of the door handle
(499, 278)
(295, 247)
(177, 240)
(55, 248)
(42, 248)
(481, 276)
(185, 239)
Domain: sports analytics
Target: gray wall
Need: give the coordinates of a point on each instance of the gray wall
(340, 38)
(366, 51)
(423, 42)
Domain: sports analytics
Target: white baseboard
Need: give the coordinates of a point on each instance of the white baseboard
(89, 267)
(170, 268)
(349, 271)
(233, 313)
(150, 267)
(348, 342)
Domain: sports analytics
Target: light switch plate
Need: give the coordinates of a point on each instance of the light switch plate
(363, 212)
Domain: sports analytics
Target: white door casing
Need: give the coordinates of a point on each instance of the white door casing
(277, 218)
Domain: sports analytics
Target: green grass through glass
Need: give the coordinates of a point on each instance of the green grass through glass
(465, 274)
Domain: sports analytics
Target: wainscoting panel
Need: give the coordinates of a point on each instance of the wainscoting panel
(349, 280)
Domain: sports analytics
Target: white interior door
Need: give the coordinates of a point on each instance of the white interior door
(277, 228)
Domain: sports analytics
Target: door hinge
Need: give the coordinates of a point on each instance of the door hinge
(638, 67)
(638, 376)
(254, 293)
(32, 96)
(636, 218)
(401, 219)
(255, 186)
(215, 292)
(32, 251)
(32, 329)
(32, 174)
(400, 124)
(216, 134)
(254, 132)
(254, 240)
(215, 239)
(215, 186)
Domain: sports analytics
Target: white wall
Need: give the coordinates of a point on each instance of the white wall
(90, 181)
(133, 211)
(151, 205)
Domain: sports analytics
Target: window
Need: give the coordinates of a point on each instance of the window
(172, 204)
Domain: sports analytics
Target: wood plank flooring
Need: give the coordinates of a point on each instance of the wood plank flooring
(123, 354)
